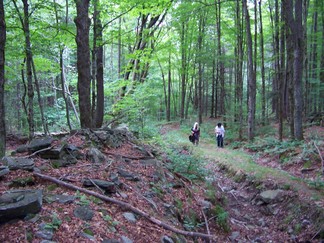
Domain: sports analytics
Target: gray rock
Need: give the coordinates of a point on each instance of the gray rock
(64, 199)
(4, 170)
(95, 156)
(127, 175)
(14, 163)
(130, 217)
(271, 196)
(44, 234)
(110, 241)
(19, 203)
(166, 239)
(39, 143)
(124, 239)
(84, 213)
(234, 235)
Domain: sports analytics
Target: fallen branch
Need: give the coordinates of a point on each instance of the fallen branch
(38, 151)
(125, 206)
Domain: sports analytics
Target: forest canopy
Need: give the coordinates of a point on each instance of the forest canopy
(82, 63)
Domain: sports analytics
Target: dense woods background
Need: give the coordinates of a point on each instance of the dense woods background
(71, 64)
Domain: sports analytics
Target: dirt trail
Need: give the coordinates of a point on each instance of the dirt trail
(291, 219)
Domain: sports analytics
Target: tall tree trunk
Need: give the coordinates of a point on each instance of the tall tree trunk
(97, 70)
(2, 81)
(82, 22)
(201, 29)
(251, 75)
(239, 68)
(263, 89)
(298, 68)
(64, 94)
(321, 94)
(168, 108)
(183, 69)
(281, 77)
(30, 89)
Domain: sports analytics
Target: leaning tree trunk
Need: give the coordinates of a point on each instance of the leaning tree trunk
(82, 22)
(2, 81)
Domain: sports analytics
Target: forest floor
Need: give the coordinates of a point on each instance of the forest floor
(237, 178)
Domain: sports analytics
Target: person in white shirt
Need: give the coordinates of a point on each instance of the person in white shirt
(220, 133)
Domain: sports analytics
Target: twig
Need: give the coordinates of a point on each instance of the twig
(38, 151)
(316, 234)
(102, 191)
(207, 225)
(234, 196)
(239, 222)
(220, 187)
(319, 152)
(126, 206)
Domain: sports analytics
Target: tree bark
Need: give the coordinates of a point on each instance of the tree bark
(298, 68)
(251, 75)
(263, 85)
(30, 89)
(2, 81)
(82, 22)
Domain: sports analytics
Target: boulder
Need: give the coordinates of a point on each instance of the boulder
(108, 186)
(14, 163)
(19, 203)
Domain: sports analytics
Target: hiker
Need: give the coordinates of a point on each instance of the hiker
(195, 132)
(220, 133)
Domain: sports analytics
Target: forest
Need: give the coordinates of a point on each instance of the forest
(257, 66)
(71, 64)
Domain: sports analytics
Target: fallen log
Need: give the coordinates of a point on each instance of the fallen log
(125, 205)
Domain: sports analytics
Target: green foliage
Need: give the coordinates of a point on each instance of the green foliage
(111, 222)
(55, 222)
(88, 231)
(221, 217)
(187, 165)
(51, 187)
(317, 183)
(83, 199)
(191, 220)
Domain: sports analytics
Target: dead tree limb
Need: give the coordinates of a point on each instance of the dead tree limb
(125, 206)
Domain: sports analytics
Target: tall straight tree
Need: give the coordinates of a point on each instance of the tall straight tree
(2, 81)
(263, 101)
(298, 33)
(82, 22)
(97, 69)
(251, 75)
(239, 68)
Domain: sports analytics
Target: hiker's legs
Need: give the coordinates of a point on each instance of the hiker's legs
(218, 141)
(221, 141)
